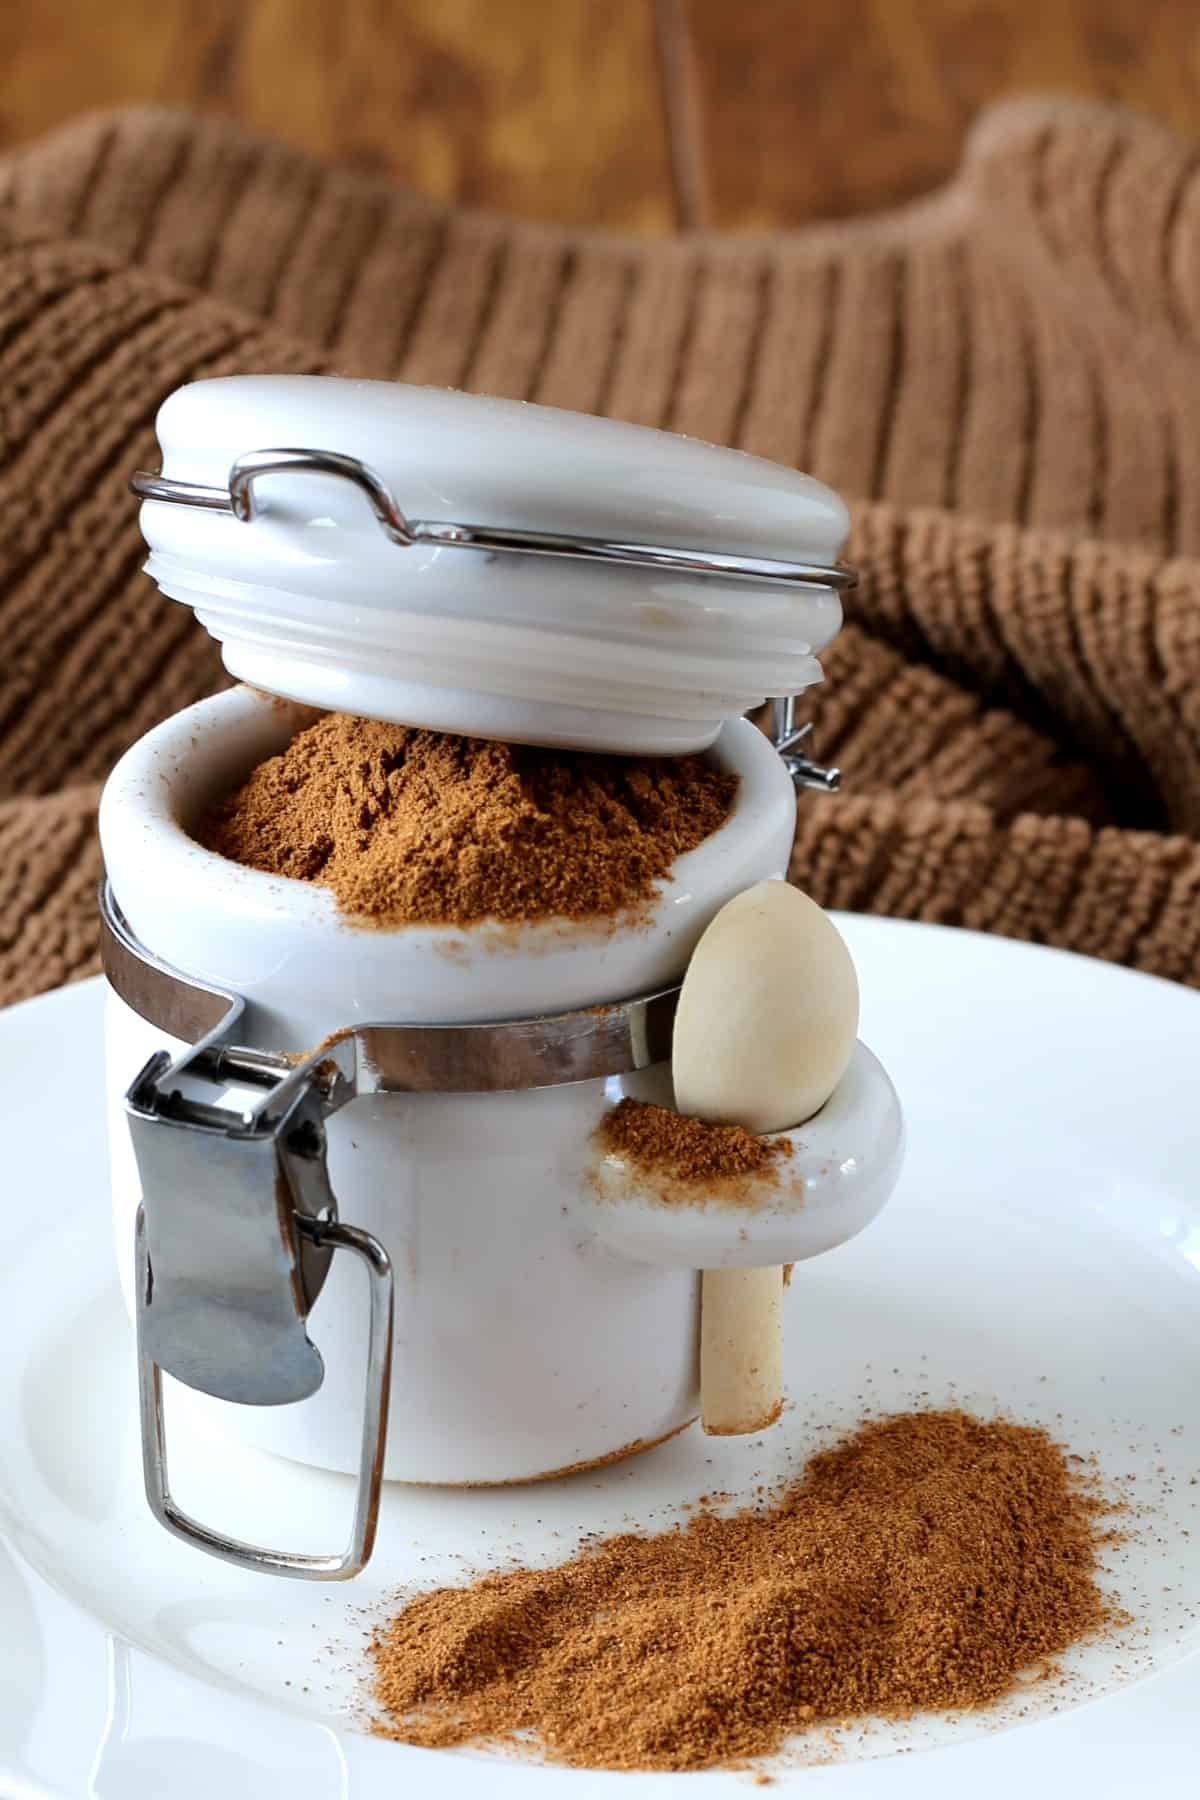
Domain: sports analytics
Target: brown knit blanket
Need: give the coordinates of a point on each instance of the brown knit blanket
(1004, 379)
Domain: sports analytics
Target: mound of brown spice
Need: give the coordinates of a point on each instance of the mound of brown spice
(924, 1562)
(422, 827)
(662, 1142)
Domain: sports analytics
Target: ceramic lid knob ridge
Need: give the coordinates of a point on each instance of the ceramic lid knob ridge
(313, 601)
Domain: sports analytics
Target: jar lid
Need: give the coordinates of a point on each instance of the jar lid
(487, 566)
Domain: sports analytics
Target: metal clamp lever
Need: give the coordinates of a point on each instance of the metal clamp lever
(234, 1241)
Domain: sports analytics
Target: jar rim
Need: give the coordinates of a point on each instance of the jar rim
(249, 930)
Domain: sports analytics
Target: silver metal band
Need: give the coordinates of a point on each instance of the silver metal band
(238, 500)
(501, 1056)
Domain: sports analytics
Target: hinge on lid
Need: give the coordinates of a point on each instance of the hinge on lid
(786, 735)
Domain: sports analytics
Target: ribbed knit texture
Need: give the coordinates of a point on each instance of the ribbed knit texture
(1002, 379)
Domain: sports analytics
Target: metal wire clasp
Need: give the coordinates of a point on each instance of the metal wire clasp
(238, 498)
(235, 1235)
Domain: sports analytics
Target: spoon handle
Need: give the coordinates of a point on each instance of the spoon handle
(741, 1350)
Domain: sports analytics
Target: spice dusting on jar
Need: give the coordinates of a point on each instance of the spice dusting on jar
(414, 827)
(658, 1142)
(682, 1161)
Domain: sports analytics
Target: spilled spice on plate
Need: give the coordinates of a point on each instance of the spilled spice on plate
(411, 827)
(925, 1561)
(655, 1140)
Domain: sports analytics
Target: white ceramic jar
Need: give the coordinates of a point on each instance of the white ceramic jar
(523, 1345)
(574, 583)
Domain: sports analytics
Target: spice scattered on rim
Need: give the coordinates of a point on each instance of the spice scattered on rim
(926, 1561)
(411, 827)
(668, 1143)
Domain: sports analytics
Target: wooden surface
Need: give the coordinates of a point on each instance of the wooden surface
(628, 113)
(544, 107)
(843, 106)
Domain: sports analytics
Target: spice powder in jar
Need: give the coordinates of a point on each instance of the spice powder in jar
(414, 827)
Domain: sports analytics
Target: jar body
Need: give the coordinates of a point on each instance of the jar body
(523, 1346)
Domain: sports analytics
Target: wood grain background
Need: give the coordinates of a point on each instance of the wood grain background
(638, 114)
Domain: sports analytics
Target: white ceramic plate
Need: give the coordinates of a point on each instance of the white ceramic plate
(1042, 1255)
